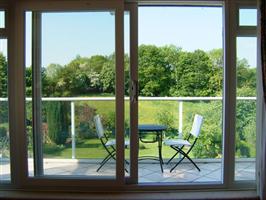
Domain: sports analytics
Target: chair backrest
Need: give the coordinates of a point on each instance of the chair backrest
(196, 126)
(99, 126)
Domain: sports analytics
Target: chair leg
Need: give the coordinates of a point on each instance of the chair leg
(111, 154)
(104, 162)
(177, 164)
(192, 162)
(177, 151)
(126, 168)
(172, 158)
(185, 155)
(107, 157)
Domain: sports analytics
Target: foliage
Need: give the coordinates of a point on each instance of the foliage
(192, 73)
(3, 112)
(107, 75)
(58, 121)
(4, 142)
(246, 78)
(209, 144)
(29, 81)
(84, 121)
(245, 129)
(163, 71)
(155, 69)
(108, 120)
(3, 132)
(3, 76)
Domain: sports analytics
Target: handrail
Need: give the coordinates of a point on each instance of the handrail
(180, 100)
(139, 98)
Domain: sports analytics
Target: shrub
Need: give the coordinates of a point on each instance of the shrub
(84, 121)
(58, 121)
(3, 132)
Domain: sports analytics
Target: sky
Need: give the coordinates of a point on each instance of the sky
(66, 35)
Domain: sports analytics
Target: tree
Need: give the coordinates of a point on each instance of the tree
(70, 80)
(28, 81)
(155, 69)
(216, 57)
(3, 89)
(3, 76)
(52, 70)
(246, 78)
(44, 82)
(58, 122)
(96, 63)
(216, 80)
(193, 74)
(245, 128)
(107, 75)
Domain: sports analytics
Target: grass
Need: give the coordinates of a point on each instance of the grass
(92, 148)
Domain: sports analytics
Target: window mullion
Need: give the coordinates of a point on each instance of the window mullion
(229, 92)
(18, 147)
(119, 34)
(36, 93)
(134, 139)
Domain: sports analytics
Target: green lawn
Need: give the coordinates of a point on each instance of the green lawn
(92, 148)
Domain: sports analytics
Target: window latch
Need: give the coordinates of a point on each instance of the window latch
(134, 91)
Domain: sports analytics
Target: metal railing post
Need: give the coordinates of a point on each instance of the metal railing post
(180, 127)
(73, 130)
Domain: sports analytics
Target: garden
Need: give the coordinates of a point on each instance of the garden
(166, 71)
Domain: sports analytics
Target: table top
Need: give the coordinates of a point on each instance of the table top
(151, 127)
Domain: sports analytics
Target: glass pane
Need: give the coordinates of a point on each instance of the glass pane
(246, 108)
(78, 94)
(175, 62)
(247, 17)
(4, 124)
(2, 19)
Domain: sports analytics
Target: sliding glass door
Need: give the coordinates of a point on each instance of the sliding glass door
(180, 75)
(74, 92)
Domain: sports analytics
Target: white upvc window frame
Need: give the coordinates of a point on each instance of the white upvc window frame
(16, 52)
(247, 31)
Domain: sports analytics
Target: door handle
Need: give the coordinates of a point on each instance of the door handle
(134, 91)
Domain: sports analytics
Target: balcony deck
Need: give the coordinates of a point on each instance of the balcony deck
(148, 171)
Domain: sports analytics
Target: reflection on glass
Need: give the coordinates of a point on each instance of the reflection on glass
(246, 109)
(247, 17)
(4, 124)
